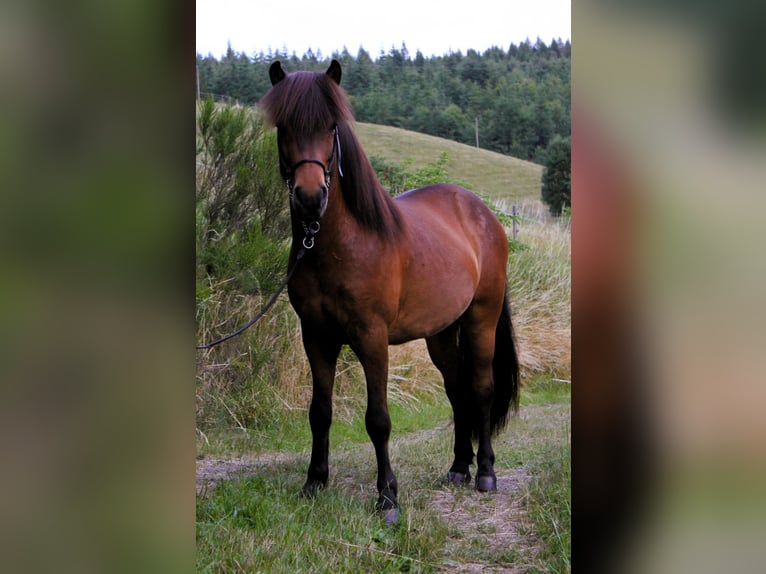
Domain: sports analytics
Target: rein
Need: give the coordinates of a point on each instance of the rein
(308, 242)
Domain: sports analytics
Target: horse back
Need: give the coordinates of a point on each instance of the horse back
(453, 220)
(456, 252)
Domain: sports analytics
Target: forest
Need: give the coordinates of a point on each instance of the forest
(514, 101)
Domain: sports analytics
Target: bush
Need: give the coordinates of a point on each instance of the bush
(398, 178)
(556, 183)
(242, 242)
(243, 220)
(238, 182)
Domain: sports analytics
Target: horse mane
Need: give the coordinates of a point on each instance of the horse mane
(311, 102)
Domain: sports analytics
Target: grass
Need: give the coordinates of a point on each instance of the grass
(539, 275)
(550, 509)
(488, 173)
(257, 523)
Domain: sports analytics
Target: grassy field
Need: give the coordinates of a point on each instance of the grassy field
(487, 173)
(253, 437)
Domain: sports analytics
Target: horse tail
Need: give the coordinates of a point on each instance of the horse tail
(505, 371)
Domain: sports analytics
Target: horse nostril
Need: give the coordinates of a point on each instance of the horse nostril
(310, 203)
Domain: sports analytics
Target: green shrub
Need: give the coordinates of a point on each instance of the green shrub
(238, 182)
(242, 244)
(243, 221)
(399, 178)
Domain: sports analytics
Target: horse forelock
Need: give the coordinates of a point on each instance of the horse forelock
(306, 104)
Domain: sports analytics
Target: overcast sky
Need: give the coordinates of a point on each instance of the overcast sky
(434, 27)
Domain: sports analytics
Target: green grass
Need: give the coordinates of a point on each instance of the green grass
(292, 432)
(550, 509)
(487, 173)
(257, 523)
(545, 390)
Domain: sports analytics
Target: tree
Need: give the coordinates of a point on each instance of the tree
(521, 96)
(556, 186)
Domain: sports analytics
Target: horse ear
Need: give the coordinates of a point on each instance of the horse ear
(276, 73)
(334, 71)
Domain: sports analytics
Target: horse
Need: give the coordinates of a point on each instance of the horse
(374, 271)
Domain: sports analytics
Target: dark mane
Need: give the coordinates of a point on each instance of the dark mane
(363, 193)
(308, 103)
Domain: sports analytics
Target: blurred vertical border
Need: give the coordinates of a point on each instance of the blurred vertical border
(669, 286)
(96, 296)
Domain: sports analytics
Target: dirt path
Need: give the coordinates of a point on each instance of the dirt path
(496, 519)
(488, 532)
(211, 471)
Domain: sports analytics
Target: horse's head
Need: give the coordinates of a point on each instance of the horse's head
(307, 166)
(307, 128)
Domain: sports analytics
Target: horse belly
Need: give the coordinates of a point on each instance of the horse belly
(432, 308)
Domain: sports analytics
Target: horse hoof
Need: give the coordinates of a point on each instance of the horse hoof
(391, 516)
(310, 489)
(459, 478)
(486, 483)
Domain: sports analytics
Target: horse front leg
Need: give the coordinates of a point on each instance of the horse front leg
(373, 354)
(322, 352)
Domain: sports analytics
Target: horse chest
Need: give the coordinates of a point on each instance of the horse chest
(344, 303)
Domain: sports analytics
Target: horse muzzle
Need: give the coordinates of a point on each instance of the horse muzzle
(310, 204)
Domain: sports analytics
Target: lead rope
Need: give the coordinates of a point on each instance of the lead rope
(308, 242)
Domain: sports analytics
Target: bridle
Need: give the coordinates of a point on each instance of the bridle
(288, 171)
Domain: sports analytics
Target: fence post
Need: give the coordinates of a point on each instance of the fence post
(514, 212)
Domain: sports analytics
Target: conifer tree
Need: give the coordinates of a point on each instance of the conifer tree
(556, 185)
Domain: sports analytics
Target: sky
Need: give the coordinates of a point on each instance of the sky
(435, 28)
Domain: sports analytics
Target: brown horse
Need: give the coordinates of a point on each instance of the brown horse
(376, 271)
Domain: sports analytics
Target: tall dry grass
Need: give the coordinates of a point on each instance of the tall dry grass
(539, 278)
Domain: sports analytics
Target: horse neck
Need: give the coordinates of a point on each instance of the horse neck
(376, 219)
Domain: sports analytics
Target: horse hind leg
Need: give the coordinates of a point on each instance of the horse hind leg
(445, 353)
(477, 343)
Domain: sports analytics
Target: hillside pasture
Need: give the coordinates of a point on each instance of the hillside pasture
(487, 173)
